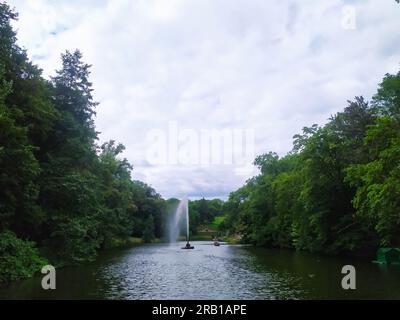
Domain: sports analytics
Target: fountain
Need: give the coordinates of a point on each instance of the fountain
(182, 212)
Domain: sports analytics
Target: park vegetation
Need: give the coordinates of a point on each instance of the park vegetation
(336, 192)
(64, 196)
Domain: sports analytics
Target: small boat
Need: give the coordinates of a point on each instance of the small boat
(216, 243)
(188, 246)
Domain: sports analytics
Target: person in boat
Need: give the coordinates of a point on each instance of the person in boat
(188, 246)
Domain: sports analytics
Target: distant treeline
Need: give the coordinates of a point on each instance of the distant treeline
(201, 212)
(337, 191)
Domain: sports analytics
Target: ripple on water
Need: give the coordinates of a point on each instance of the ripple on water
(208, 272)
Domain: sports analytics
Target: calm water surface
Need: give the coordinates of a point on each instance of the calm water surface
(162, 271)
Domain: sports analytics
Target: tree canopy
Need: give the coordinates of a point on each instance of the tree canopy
(337, 191)
(61, 190)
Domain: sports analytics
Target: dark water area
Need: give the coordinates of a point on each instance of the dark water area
(163, 271)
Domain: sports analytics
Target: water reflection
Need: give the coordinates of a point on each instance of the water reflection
(208, 272)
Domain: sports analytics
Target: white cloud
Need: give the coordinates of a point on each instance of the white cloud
(271, 66)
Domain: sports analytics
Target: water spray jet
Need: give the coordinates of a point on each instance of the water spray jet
(181, 213)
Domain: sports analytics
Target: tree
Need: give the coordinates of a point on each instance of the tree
(26, 113)
(70, 186)
(303, 200)
(378, 181)
(73, 92)
(204, 212)
(59, 188)
(118, 206)
(148, 231)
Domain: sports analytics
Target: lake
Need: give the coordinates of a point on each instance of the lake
(238, 272)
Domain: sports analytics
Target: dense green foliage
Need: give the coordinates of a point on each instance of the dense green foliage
(59, 188)
(203, 212)
(18, 258)
(337, 191)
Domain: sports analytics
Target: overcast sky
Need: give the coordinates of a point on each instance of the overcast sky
(268, 66)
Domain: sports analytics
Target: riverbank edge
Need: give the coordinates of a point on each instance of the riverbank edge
(364, 255)
(116, 243)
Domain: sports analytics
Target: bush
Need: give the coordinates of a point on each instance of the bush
(18, 258)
